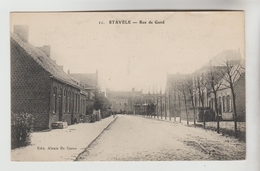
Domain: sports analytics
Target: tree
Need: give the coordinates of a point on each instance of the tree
(231, 74)
(213, 78)
(189, 85)
(184, 93)
(177, 94)
(101, 102)
(200, 86)
(179, 98)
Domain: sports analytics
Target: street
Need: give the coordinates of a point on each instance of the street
(137, 138)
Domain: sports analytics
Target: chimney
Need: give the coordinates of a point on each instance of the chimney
(22, 31)
(46, 49)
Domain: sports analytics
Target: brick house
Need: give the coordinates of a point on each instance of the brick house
(90, 82)
(39, 86)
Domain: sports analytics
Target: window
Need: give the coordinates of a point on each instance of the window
(72, 102)
(224, 103)
(219, 104)
(65, 100)
(68, 102)
(195, 100)
(213, 104)
(228, 103)
(54, 99)
(78, 103)
(87, 95)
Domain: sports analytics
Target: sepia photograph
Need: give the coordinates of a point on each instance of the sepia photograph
(127, 86)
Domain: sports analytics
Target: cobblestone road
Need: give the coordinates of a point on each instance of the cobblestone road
(134, 138)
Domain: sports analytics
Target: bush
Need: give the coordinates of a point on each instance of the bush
(21, 127)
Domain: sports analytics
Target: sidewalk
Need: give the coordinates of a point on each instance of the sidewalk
(60, 144)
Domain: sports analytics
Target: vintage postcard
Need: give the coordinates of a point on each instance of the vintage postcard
(128, 86)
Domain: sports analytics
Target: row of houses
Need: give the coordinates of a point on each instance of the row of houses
(213, 88)
(191, 95)
(40, 87)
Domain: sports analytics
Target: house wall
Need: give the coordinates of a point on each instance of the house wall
(32, 91)
(240, 93)
(30, 87)
(65, 103)
(227, 110)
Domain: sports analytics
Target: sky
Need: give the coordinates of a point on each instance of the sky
(134, 55)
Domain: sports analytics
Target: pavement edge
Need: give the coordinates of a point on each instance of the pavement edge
(77, 158)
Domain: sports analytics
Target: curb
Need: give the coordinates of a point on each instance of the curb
(77, 158)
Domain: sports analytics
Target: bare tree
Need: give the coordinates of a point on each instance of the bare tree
(189, 85)
(200, 86)
(174, 104)
(176, 95)
(231, 74)
(213, 78)
(179, 98)
(177, 91)
(183, 87)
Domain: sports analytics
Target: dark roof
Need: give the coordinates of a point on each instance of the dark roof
(45, 62)
(89, 80)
